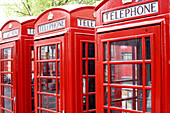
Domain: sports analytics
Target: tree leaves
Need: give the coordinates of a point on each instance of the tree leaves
(36, 7)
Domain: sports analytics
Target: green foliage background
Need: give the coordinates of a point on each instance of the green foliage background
(36, 7)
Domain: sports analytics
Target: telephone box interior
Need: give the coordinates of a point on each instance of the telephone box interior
(132, 56)
(16, 67)
(64, 60)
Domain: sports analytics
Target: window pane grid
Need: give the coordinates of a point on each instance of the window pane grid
(88, 77)
(109, 76)
(6, 80)
(50, 56)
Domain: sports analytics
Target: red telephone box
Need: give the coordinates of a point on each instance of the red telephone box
(64, 60)
(16, 57)
(132, 56)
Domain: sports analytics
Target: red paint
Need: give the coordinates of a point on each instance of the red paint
(156, 27)
(70, 38)
(18, 68)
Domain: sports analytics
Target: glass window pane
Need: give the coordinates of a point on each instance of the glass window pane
(148, 101)
(105, 95)
(32, 78)
(148, 74)
(38, 84)
(92, 104)
(91, 84)
(91, 50)
(33, 106)
(48, 52)
(84, 85)
(48, 69)
(58, 81)
(6, 53)
(111, 51)
(148, 48)
(83, 49)
(48, 102)
(32, 89)
(58, 51)
(126, 50)
(113, 111)
(91, 67)
(3, 111)
(139, 0)
(105, 73)
(6, 79)
(84, 67)
(58, 69)
(38, 69)
(32, 51)
(7, 66)
(7, 103)
(6, 91)
(127, 98)
(127, 74)
(105, 50)
(38, 54)
(105, 110)
(32, 65)
(84, 103)
(48, 85)
(112, 73)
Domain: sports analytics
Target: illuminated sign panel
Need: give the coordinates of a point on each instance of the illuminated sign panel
(10, 33)
(143, 9)
(86, 23)
(51, 26)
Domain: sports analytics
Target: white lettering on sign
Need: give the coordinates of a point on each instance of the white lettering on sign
(143, 9)
(10, 33)
(86, 23)
(30, 31)
(51, 26)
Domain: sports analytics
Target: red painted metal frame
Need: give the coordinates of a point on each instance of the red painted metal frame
(22, 99)
(71, 79)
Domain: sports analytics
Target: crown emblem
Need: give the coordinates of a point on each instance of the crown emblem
(50, 16)
(10, 26)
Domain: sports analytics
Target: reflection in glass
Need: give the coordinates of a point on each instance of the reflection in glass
(58, 51)
(84, 67)
(48, 52)
(91, 67)
(128, 74)
(148, 102)
(105, 73)
(148, 74)
(48, 102)
(58, 69)
(38, 54)
(84, 103)
(105, 110)
(127, 98)
(148, 48)
(6, 53)
(7, 104)
(32, 51)
(91, 50)
(111, 51)
(6, 79)
(91, 84)
(112, 73)
(6, 91)
(83, 49)
(48, 85)
(84, 85)
(105, 95)
(139, 0)
(58, 81)
(92, 104)
(7, 66)
(32, 65)
(105, 50)
(48, 69)
(32, 78)
(126, 50)
(112, 91)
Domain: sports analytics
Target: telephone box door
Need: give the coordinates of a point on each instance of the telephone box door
(48, 75)
(130, 61)
(7, 73)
